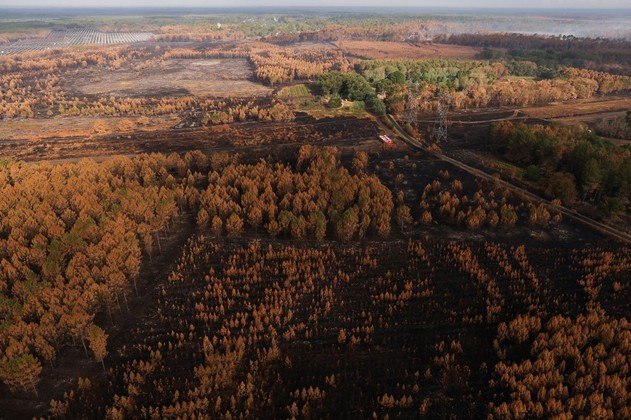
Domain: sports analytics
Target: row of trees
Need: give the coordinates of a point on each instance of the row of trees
(613, 55)
(247, 110)
(391, 28)
(55, 60)
(200, 32)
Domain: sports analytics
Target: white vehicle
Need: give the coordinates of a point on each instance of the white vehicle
(387, 140)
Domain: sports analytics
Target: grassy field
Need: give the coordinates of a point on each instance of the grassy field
(319, 110)
(297, 91)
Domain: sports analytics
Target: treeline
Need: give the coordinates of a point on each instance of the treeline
(551, 51)
(364, 29)
(480, 84)
(320, 198)
(206, 32)
(511, 41)
(571, 163)
(55, 60)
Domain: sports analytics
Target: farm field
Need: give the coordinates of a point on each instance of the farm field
(216, 78)
(57, 39)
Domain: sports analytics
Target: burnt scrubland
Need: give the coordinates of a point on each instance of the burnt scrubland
(240, 215)
(299, 281)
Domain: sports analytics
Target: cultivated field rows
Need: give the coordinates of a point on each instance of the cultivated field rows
(70, 38)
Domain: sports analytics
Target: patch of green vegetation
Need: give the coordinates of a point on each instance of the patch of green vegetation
(335, 102)
(297, 91)
(504, 167)
(353, 87)
(570, 162)
(320, 109)
(445, 74)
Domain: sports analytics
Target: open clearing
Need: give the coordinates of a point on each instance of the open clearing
(37, 129)
(339, 131)
(216, 77)
(581, 108)
(389, 50)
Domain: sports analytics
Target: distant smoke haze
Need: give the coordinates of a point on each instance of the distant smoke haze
(587, 18)
(570, 4)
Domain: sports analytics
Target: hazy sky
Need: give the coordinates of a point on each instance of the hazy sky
(377, 3)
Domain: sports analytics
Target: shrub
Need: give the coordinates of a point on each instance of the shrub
(335, 102)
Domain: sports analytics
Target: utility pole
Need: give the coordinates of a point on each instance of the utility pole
(443, 103)
(410, 114)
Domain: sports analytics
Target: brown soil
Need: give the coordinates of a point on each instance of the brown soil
(57, 127)
(258, 136)
(580, 109)
(216, 77)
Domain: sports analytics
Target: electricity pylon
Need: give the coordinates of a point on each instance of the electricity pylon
(443, 103)
(410, 114)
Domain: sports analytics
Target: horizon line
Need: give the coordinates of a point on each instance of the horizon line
(271, 6)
